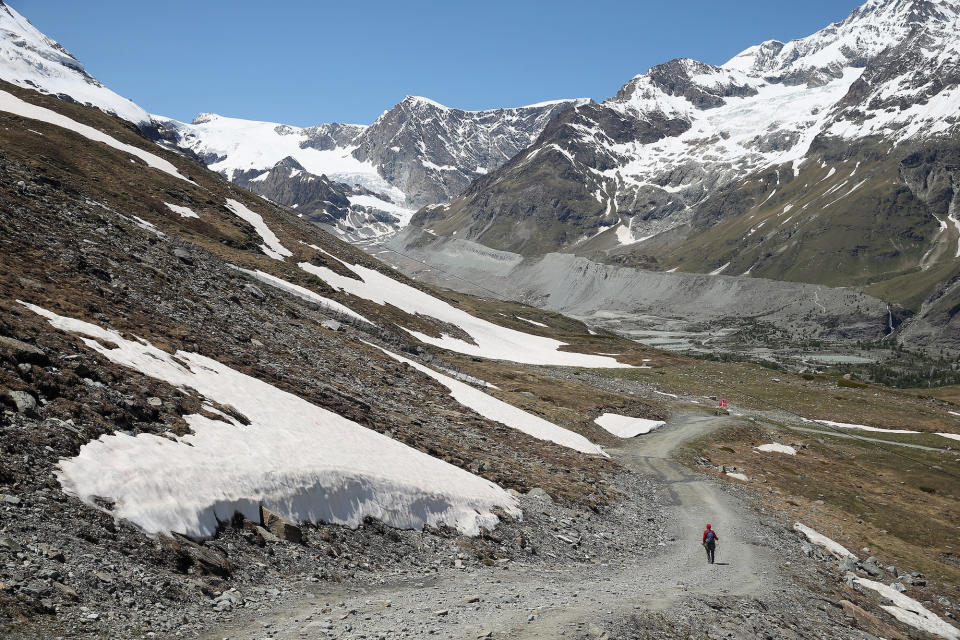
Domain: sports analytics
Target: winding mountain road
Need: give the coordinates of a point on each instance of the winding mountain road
(568, 600)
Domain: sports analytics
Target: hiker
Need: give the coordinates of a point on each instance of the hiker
(710, 539)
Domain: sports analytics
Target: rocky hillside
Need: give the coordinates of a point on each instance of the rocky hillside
(155, 319)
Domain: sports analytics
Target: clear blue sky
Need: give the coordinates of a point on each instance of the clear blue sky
(306, 62)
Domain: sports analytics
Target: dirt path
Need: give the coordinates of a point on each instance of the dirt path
(537, 602)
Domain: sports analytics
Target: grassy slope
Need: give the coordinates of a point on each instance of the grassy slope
(857, 493)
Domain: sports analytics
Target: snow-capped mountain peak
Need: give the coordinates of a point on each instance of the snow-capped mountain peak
(30, 59)
(869, 30)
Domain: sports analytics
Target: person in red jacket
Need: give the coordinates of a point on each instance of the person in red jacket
(710, 539)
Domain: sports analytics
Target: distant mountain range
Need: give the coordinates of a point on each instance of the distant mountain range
(417, 153)
(831, 160)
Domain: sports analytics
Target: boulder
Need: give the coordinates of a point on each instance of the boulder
(66, 591)
(23, 352)
(871, 567)
(183, 255)
(279, 526)
(254, 291)
(540, 494)
(848, 564)
(24, 402)
(186, 553)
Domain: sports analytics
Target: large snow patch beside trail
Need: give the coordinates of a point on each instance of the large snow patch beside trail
(909, 611)
(12, 104)
(295, 458)
(492, 341)
(499, 411)
(627, 427)
(777, 448)
(821, 540)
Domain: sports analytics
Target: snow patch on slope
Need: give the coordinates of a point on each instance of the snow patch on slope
(185, 212)
(271, 244)
(302, 461)
(909, 611)
(777, 448)
(12, 104)
(626, 426)
(838, 550)
(492, 341)
(305, 294)
(499, 411)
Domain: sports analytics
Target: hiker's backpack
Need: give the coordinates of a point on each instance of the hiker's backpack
(711, 537)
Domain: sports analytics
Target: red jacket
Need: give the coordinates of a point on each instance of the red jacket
(716, 538)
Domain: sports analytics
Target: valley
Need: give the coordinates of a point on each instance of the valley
(488, 374)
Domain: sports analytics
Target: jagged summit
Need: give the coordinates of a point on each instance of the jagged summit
(870, 29)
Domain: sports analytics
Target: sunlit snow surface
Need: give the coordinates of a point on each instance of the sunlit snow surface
(861, 427)
(305, 294)
(366, 200)
(777, 448)
(499, 411)
(627, 427)
(909, 611)
(492, 341)
(12, 104)
(295, 458)
(835, 548)
(242, 145)
(185, 212)
(271, 244)
(32, 60)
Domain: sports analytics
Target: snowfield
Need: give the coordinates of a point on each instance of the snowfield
(499, 411)
(492, 341)
(838, 550)
(627, 427)
(305, 294)
(777, 448)
(302, 461)
(12, 104)
(271, 244)
(242, 145)
(909, 611)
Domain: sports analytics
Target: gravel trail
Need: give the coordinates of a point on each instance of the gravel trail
(525, 601)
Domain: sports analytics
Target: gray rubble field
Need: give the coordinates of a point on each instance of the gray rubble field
(583, 289)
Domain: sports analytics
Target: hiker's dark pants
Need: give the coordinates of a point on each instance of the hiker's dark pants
(711, 548)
